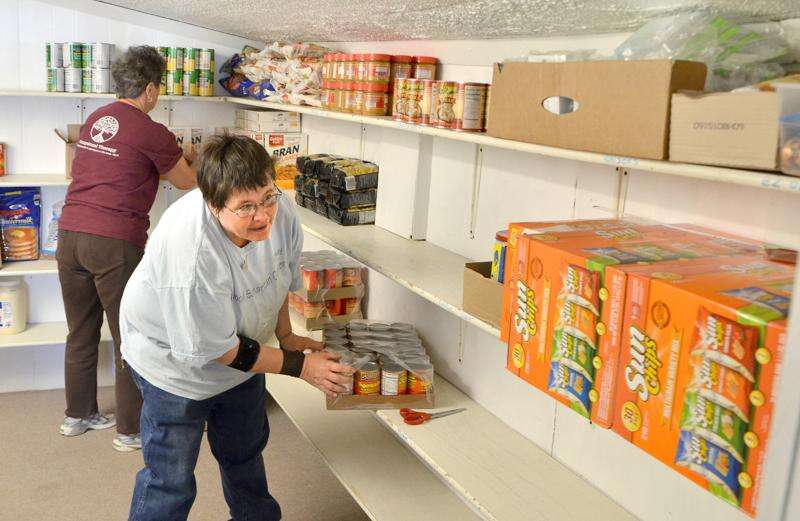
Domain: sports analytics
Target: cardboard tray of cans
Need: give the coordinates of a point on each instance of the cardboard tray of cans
(392, 368)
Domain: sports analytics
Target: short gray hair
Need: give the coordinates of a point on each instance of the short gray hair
(135, 69)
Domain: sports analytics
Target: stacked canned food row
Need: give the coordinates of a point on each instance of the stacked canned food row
(327, 270)
(362, 83)
(190, 71)
(443, 104)
(79, 67)
(388, 357)
(324, 308)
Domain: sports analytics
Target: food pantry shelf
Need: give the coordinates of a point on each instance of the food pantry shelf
(434, 273)
(86, 95)
(37, 267)
(34, 180)
(43, 334)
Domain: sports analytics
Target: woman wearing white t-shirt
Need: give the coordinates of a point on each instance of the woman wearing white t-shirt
(210, 291)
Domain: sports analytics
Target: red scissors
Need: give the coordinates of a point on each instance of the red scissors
(412, 417)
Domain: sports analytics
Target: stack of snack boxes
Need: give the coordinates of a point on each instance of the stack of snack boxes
(669, 335)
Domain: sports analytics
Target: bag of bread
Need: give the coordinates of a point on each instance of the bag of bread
(20, 218)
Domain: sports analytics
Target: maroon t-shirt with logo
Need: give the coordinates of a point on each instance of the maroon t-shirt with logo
(118, 160)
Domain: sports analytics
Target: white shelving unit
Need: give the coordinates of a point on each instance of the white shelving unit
(434, 273)
(43, 334)
(86, 95)
(37, 267)
(34, 180)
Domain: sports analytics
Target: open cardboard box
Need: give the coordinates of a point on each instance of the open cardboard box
(611, 107)
(71, 141)
(482, 296)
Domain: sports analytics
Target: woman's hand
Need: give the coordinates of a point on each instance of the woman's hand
(292, 342)
(323, 372)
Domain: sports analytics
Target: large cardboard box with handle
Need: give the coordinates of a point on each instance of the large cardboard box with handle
(611, 107)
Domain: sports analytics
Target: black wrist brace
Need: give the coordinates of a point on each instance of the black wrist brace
(292, 363)
(247, 354)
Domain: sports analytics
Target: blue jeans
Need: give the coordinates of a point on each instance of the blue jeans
(172, 428)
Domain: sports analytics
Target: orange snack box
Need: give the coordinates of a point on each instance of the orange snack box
(688, 391)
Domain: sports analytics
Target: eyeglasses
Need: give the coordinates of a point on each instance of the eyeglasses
(248, 210)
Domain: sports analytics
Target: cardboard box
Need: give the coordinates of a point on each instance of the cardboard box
(268, 126)
(620, 107)
(377, 402)
(321, 295)
(687, 403)
(482, 296)
(70, 140)
(284, 150)
(267, 116)
(735, 129)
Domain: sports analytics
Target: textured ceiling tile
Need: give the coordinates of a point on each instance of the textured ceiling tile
(390, 20)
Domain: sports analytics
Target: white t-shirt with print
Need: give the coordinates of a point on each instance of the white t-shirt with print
(195, 290)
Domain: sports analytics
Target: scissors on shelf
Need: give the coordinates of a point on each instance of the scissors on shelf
(412, 417)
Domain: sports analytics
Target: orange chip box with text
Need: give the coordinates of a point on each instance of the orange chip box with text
(698, 360)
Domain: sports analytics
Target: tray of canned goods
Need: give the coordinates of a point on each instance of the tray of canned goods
(392, 368)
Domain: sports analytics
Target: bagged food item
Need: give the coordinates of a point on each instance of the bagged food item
(578, 321)
(726, 342)
(571, 385)
(721, 385)
(581, 287)
(352, 216)
(51, 239)
(344, 200)
(573, 352)
(715, 423)
(357, 176)
(20, 219)
(712, 462)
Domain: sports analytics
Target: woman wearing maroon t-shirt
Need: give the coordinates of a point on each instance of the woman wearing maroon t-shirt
(102, 232)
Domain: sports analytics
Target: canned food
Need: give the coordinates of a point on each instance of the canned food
(488, 104)
(413, 99)
(100, 55)
(351, 274)
(73, 80)
(190, 59)
(424, 67)
(162, 87)
(470, 107)
(368, 379)
(399, 99)
(174, 60)
(313, 309)
(333, 276)
(394, 379)
(445, 104)
(335, 307)
(205, 82)
(313, 277)
(431, 116)
(55, 80)
(425, 102)
(420, 377)
(348, 359)
(190, 83)
(101, 81)
(175, 82)
(375, 96)
(351, 305)
(205, 59)
(72, 55)
(86, 56)
(55, 54)
(86, 82)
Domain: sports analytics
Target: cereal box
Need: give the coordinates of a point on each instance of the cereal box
(698, 358)
(285, 149)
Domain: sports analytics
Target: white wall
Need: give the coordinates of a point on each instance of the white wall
(26, 126)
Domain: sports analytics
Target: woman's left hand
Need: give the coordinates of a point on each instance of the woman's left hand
(292, 342)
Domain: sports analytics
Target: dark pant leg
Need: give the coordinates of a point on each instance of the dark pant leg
(84, 318)
(112, 262)
(238, 430)
(172, 429)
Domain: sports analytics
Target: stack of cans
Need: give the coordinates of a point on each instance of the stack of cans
(79, 67)
(190, 71)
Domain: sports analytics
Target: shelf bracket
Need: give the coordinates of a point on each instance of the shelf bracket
(622, 190)
(476, 189)
(462, 327)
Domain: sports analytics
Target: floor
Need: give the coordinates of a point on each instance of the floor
(44, 475)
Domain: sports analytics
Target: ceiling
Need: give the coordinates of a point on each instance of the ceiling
(388, 20)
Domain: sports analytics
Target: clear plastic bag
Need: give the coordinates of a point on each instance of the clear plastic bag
(735, 56)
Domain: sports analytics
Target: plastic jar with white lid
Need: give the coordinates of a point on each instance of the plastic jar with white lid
(13, 306)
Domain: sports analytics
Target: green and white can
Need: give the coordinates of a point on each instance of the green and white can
(190, 59)
(175, 83)
(86, 56)
(100, 55)
(101, 81)
(73, 80)
(205, 59)
(55, 79)
(190, 83)
(72, 55)
(205, 82)
(55, 54)
(86, 82)
(174, 59)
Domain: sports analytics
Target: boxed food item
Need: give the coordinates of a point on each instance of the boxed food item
(790, 144)
(482, 296)
(20, 220)
(284, 150)
(735, 129)
(562, 299)
(392, 368)
(611, 107)
(268, 116)
(189, 139)
(699, 357)
(71, 141)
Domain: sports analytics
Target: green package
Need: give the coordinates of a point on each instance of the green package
(573, 352)
(715, 423)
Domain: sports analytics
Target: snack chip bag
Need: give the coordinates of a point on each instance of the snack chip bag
(571, 351)
(726, 342)
(577, 321)
(571, 385)
(762, 297)
(580, 286)
(714, 423)
(721, 385)
(712, 462)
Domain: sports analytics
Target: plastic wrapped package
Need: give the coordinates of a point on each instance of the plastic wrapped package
(344, 200)
(735, 56)
(20, 219)
(352, 216)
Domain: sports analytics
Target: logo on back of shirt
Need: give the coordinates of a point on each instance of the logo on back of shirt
(104, 129)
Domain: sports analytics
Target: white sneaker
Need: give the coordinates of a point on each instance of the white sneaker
(77, 426)
(125, 443)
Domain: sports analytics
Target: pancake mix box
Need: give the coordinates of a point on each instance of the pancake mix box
(698, 360)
